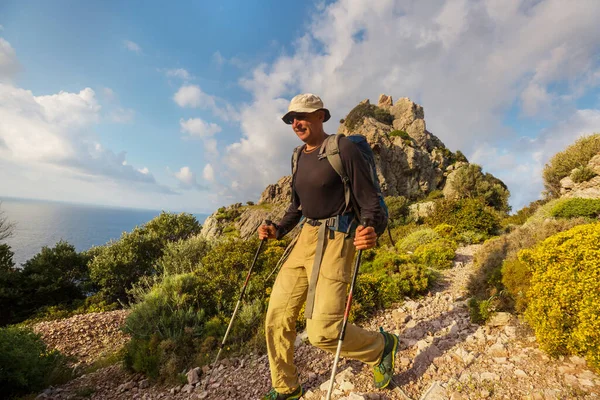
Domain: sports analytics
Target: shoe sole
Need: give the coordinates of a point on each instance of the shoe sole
(394, 351)
(296, 397)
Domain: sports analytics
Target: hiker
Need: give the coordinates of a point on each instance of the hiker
(319, 268)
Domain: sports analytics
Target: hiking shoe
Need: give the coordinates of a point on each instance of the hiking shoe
(383, 372)
(273, 395)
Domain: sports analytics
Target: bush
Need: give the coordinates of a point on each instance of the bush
(565, 292)
(115, 267)
(524, 213)
(26, 364)
(573, 208)
(516, 277)
(465, 215)
(178, 320)
(437, 254)
(471, 182)
(460, 157)
(358, 113)
(184, 256)
(416, 239)
(401, 134)
(445, 231)
(561, 164)
(397, 209)
(582, 174)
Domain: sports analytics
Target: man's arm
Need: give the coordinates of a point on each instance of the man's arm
(364, 192)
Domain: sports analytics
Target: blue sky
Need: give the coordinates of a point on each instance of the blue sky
(175, 106)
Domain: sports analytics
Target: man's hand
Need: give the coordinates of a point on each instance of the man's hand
(266, 232)
(365, 238)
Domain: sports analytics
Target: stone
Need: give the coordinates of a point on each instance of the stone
(144, 384)
(187, 389)
(325, 385)
(412, 305)
(489, 376)
(435, 392)
(385, 101)
(353, 396)
(346, 386)
(520, 373)
(400, 317)
(500, 319)
(497, 350)
(344, 375)
(576, 359)
(203, 394)
(193, 375)
(571, 380)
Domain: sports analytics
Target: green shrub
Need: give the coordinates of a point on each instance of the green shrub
(561, 164)
(387, 281)
(582, 174)
(480, 310)
(434, 195)
(471, 182)
(402, 134)
(565, 292)
(465, 215)
(471, 237)
(416, 239)
(523, 214)
(397, 210)
(445, 231)
(460, 157)
(573, 208)
(184, 256)
(118, 265)
(383, 116)
(26, 364)
(358, 113)
(437, 254)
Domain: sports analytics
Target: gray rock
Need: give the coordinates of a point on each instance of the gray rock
(187, 389)
(501, 319)
(435, 392)
(144, 384)
(193, 375)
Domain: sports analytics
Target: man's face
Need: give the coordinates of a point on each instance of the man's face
(307, 125)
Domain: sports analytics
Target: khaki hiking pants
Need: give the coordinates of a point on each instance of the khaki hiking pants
(289, 294)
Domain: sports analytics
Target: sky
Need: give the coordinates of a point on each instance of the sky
(176, 106)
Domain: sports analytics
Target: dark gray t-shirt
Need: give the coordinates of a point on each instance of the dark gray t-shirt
(319, 190)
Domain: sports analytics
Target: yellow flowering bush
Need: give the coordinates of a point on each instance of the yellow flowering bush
(564, 297)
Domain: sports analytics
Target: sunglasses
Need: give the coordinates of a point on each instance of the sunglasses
(299, 116)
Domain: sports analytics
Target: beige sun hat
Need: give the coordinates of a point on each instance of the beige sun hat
(305, 103)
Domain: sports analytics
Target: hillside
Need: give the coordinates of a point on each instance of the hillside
(442, 356)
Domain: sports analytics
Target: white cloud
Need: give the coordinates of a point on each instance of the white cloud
(56, 131)
(9, 65)
(192, 96)
(465, 61)
(178, 73)
(132, 46)
(144, 170)
(208, 173)
(198, 127)
(187, 179)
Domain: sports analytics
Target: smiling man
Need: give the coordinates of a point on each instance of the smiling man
(319, 267)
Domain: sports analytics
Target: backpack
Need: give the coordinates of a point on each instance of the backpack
(330, 150)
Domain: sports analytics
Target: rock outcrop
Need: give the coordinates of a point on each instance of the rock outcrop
(589, 189)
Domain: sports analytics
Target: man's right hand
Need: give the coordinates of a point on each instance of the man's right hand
(266, 232)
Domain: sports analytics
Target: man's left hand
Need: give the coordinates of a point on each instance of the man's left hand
(365, 238)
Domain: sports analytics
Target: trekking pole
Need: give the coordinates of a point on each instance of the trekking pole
(364, 223)
(237, 306)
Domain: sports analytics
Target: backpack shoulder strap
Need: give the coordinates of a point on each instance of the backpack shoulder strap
(331, 150)
(295, 157)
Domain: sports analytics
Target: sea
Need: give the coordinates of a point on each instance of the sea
(41, 223)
